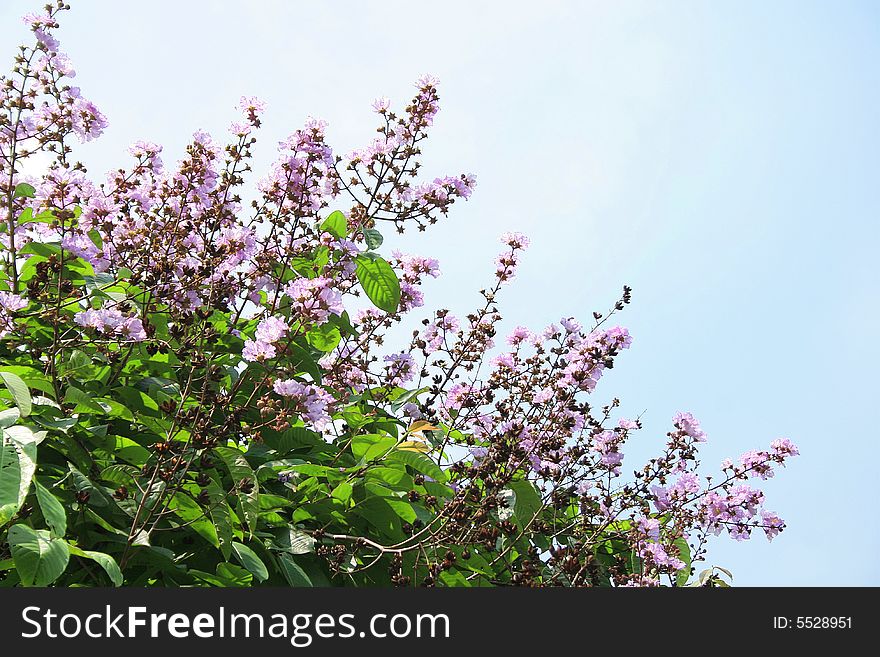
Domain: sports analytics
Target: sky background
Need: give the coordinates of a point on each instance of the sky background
(721, 158)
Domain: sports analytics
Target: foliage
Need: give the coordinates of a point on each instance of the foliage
(188, 402)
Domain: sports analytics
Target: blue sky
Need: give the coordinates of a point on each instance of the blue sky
(723, 159)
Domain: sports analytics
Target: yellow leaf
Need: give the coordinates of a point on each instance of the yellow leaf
(421, 425)
(415, 446)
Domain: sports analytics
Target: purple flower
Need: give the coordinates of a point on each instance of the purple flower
(88, 122)
(111, 321)
(251, 104)
(314, 299)
(133, 329)
(412, 411)
(256, 350)
(570, 324)
(310, 401)
(655, 553)
(459, 396)
(642, 582)
(239, 244)
(649, 528)
(519, 335)
(271, 330)
(400, 369)
(515, 240)
(505, 360)
(435, 333)
(415, 267)
(11, 302)
(757, 463)
(690, 425)
(772, 524)
(784, 448)
(41, 24)
(82, 246)
(505, 266)
(543, 395)
(410, 297)
(687, 484)
(148, 153)
(606, 444)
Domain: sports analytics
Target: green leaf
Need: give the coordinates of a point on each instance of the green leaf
(239, 470)
(684, 553)
(303, 360)
(159, 388)
(377, 512)
(228, 576)
(405, 397)
(453, 577)
(106, 562)
(221, 515)
(63, 424)
(45, 249)
(342, 492)
(251, 561)
(24, 435)
(83, 401)
(52, 510)
(343, 323)
(635, 563)
(292, 572)
(289, 439)
(234, 575)
(335, 224)
(8, 417)
(98, 497)
(324, 338)
(379, 281)
(373, 238)
(370, 445)
(121, 474)
(528, 501)
(32, 377)
(188, 510)
(137, 401)
(113, 408)
(78, 366)
(39, 558)
(19, 391)
(17, 465)
(395, 477)
(310, 267)
(294, 541)
(419, 463)
(24, 190)
(402, 508)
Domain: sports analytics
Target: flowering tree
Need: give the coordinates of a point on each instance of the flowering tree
(189, 402)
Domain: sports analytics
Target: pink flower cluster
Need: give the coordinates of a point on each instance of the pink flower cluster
(9, 304)
(506, 263)
(440, 332)
(400, 369)
(314, 299)
(607, 445)
(262, 347)
(413, 270)
(111, 321)
(309, 401)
